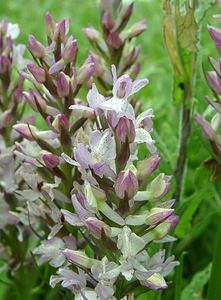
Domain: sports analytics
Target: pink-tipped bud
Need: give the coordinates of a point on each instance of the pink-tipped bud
(70, 51)
(208, 131)
(49, 25)
(79, 257)
(4, 64)
(85, 72)
(63, 85)
(137, 28)
(214, 82)
(96, 227)
(127, 13)
(157, 215)
(34, 99)
(130, 59)
(126, 185)
(60, 122)
(5, 118)
(107, 20)
(51, 161)
(37, 72)
(92, 34)
(134, 70)
(4, 26)
(60, 31)
(114, 41)
(56, 67)
(35, 47)
(125, 130)
(25, 130)
(147, 166)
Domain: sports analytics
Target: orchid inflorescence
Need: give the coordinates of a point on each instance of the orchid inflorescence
(95, 207)
(12, 109)
(212, 130)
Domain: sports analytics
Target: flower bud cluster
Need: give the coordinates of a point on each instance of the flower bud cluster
(114, 44)
(11, 109)
(103, 221)
(211, 130)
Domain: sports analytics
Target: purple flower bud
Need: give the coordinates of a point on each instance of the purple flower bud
(5, 118)
(114, 40)
(60, 122)
(4, 26)
(147, 166)
(125, 130)
(60, 31)
(95, 226)
(215, 34)
(130, 59)
(92, 34)
(49, 25)
(107, 20)
(208, 131)
(37, 72)
(79, 257)
(85, 72)
(135, 69)
(63, 85)
(158, 215)
(35, 47)
(127, 13)
(214, 81)
(137, 28)
(25, 130)
(51, 160)
(70, 51)
(33, 98)
(126, 185)
(4, 64)
(56, 67)
(173, 220)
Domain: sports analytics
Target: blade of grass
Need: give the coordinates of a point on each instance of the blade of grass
(214, 290)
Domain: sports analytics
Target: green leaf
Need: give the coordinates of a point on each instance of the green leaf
(214, 291)
(184, 224)
(193, 291)
(179, 277)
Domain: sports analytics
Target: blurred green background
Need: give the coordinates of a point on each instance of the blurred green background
(155, 65)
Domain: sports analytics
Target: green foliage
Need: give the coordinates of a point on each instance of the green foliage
(194, 290)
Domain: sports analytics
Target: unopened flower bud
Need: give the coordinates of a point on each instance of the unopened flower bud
(37, 72)
(134, 70)
(70, 51)
(35, 47)
(62, 85)
(60, 31)
(107, 20)
(126, 185)
(25, 130)
(208, 131)
(215, 34)
(49, 25)
(79, 257)
(114, 40)
(51, 160)
(4, 64)
(132, 56)
(85, 72)
(125, 130)
(147, 166)
(214, 82)
(95, 226)
(60, 122)
(137, 28)
(157, 215)
(92, 34)
(5, 118)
